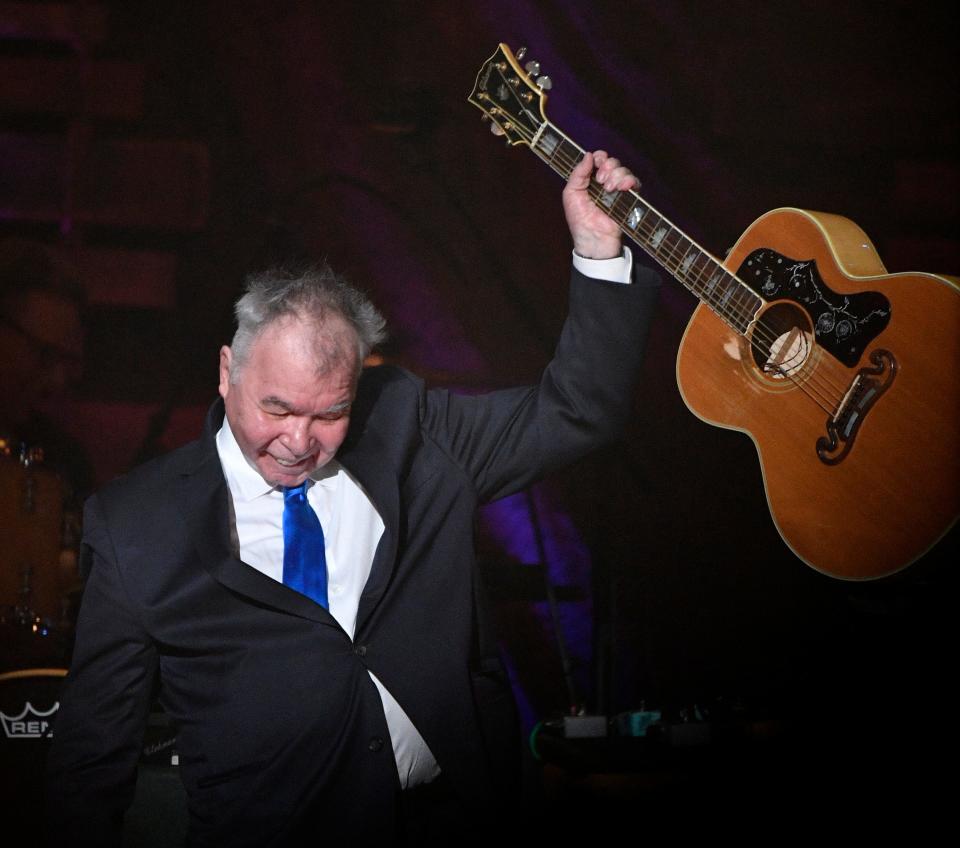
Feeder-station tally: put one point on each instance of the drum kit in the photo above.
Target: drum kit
(38, 585)
(38, 573)
(39, 598)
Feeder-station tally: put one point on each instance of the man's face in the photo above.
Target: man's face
(287, 418)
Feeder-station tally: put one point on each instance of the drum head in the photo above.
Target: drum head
(29, 700)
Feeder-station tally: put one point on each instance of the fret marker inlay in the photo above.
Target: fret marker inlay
(548, 144)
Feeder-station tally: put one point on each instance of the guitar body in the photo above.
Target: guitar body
(878, 500)
(842, 374)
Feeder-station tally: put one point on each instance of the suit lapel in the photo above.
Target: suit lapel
(204, 504)
(364, 459)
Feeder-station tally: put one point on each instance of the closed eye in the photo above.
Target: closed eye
(277, 413)
(333, 415)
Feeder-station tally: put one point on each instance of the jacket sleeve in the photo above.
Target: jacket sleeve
(98, 731)
(506, 439)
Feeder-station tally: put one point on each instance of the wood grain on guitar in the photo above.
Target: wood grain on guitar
(840, 373)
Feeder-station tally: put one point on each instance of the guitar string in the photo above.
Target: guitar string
(827, 397)
(813, 387)
(819, 390)
(818, 386)
(733, 313)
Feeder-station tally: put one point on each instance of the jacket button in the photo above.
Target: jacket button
(376, 744)
(360, 650)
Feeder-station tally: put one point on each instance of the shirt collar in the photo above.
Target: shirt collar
(244, 480)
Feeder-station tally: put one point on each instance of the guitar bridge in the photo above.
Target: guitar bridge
(865, 390)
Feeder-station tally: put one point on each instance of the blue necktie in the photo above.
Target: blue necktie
(304, 558)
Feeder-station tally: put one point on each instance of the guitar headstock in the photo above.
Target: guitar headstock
(510, 96)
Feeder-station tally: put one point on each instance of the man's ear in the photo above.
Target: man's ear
(226, 358)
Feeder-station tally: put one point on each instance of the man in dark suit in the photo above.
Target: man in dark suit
(327, 710)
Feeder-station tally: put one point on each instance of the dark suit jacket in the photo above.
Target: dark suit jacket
(280, 726)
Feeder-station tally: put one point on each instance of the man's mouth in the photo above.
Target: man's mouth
(291, 463)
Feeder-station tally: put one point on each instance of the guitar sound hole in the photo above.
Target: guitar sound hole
(782, 341)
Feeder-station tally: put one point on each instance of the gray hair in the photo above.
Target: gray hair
(313, 294)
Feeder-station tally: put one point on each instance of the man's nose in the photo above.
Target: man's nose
(297, 436)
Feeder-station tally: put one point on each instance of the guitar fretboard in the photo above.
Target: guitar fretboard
(684, 259)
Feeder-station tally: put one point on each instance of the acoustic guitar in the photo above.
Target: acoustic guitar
(841, 373)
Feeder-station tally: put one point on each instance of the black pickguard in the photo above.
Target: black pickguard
(844, 324)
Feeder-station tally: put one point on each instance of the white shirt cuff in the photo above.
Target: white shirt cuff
(616, 270)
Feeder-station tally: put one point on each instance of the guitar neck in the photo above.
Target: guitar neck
(696, 269)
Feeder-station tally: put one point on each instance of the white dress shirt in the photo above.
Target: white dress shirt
(616, 270)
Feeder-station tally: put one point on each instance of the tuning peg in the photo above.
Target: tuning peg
(545, 82)
(532, 67)
(521, 52)
(496, 130)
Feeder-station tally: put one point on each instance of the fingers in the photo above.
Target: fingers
(611, 174)
(579, 177)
